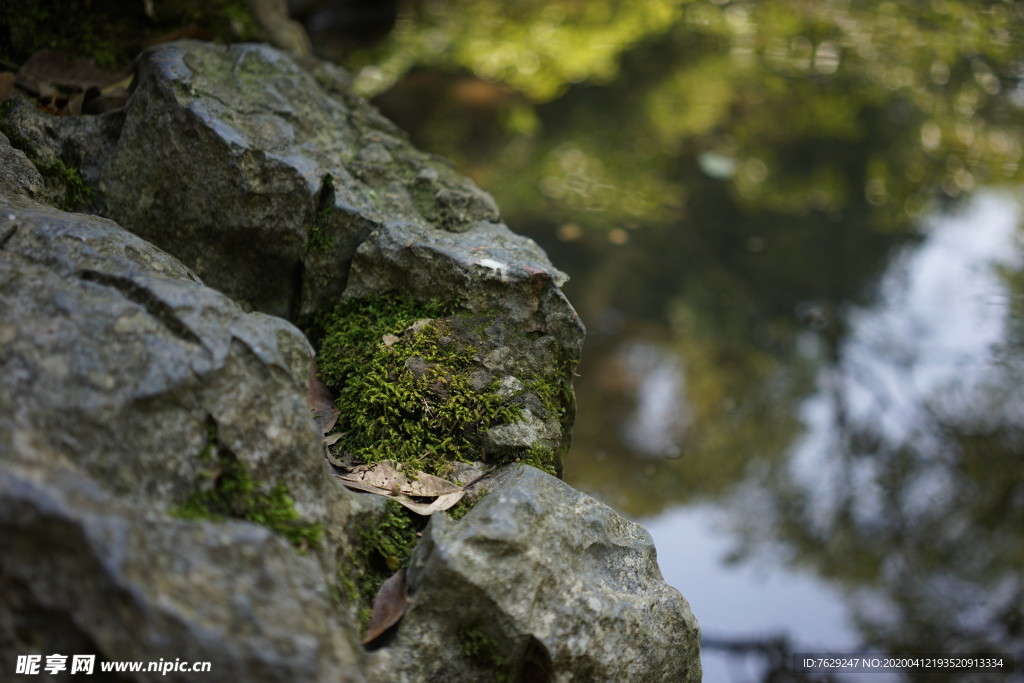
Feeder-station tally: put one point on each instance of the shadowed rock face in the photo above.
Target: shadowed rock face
(118, 369)
(128, 388)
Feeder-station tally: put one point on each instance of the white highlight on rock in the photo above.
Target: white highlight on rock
(497, 266)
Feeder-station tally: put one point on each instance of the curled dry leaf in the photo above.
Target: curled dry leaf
(389, 606)
(62, 84)
(321, 402)
(426, 509)
(48, 70)
(385, 479)
(429, 485)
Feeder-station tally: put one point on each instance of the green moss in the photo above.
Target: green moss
(382, 549)
(482, 651)
(233, 494)
(319, 241)
(541, 457)
(73, 188)
(459, 510)
(66, 182)
(407, 397)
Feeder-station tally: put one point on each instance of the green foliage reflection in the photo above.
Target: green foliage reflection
(797, 106)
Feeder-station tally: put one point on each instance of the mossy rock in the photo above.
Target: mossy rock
(232, 493)
(413, 386)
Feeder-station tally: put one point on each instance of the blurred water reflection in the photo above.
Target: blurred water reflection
(870, 517)
(805, 306)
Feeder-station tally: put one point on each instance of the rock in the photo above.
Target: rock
(163, 492)
(260, 175)
(539, 582)
(284, 191)
(121, 375)
(18, 177)
(82, 573)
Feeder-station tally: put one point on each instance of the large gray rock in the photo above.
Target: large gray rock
(539, 582)
(118, 371)
(286, 192)
(264, 177)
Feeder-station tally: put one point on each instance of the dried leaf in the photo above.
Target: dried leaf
(361, 481)
(75, 103)
(368, 488)
(321, 402)
(332, 439)
(427, 485)
(49, 71)
(449, 500)
(386, 475)
(388, 606)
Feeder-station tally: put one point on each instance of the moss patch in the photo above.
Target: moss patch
(460, 509)
(482, 651)
(406, 386)
(233, 494)
(65, 182)
(382, 549)
(541, 457)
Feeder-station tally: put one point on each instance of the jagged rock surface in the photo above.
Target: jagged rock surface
(115, 364)
(286, 192)
(540, 582)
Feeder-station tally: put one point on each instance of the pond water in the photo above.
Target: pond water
(794, 234)
(937, 327)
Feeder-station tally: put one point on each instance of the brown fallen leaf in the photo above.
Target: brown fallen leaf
(389, 606)
(386, 479)
(321, 402)
(48, 71)
(386, 475)
(332, 439)
(427, 485)
(440, 503)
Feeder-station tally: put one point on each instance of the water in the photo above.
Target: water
(942, 311)
(794, 235)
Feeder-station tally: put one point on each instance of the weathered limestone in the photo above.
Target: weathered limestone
(279, 188)
(118, 369)
(129, 390)
(540, 580)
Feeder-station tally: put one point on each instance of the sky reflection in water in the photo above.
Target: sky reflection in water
(930, 343)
